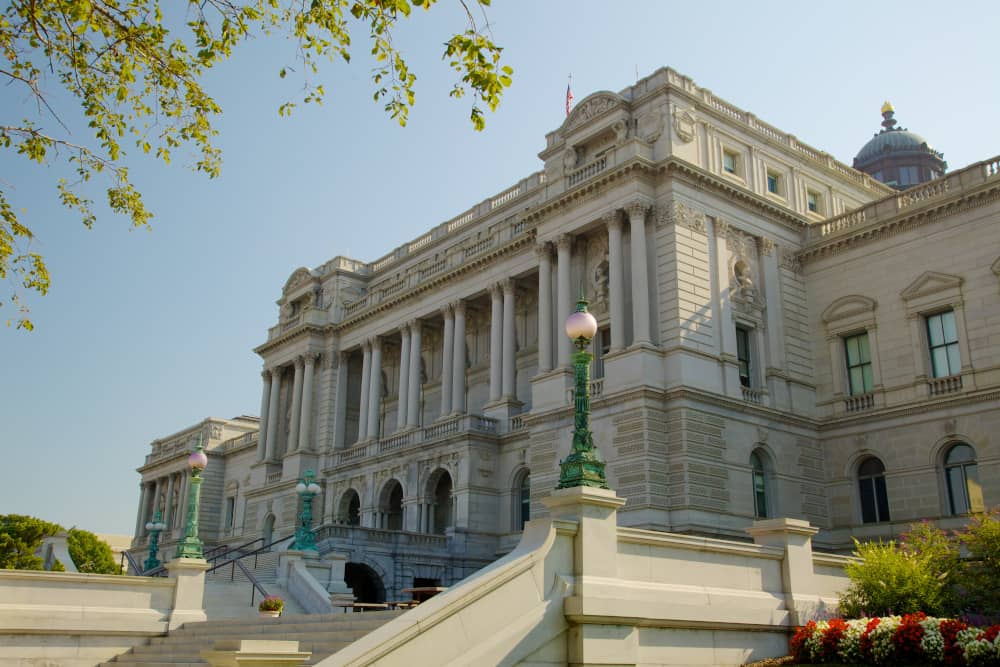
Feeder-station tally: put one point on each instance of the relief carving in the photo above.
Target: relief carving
(591, 108)
(685, 124)
(688, 217)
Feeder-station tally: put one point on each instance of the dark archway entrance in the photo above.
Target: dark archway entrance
(365, 583)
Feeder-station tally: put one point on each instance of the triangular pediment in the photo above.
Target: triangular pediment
(848, 306)
(298, 278)
(593, 106)
(931, 282)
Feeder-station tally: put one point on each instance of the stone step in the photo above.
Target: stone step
(340, 619)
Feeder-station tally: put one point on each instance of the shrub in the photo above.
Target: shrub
(912, 576)
(980, 577)
(20, 536)
(90, 553)
(271, 603)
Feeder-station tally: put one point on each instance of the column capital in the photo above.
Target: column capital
(312, 358)
(376, 343)
(266, 373)
(458, 307)
(496, 289)
(404, 330)
(508, 285)
(564, 242)
(277, 371)
(446, 311)
(543, 251)
(612, 220)
(721, 227)
(636, 210)
(766, 245)
(414, 324)
(299, 362)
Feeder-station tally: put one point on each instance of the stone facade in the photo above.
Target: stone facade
(729, 266)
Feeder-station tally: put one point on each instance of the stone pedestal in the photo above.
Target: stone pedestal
(257, 652)
(550, 391)
(794, 536)
(639, 365)
(189, 591)
(502, 410)
(317, 582)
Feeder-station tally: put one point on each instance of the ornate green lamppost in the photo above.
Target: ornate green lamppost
(191, 546)
(307, 488)
(583, 466)
(154, 527)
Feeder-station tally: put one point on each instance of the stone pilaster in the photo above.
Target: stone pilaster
(458, 365)
(564, 296)
(640, 274)
(447, 359)
(295, 417)
(403, 393)
(544, 253)
(305, 422)
(413, 402)
(375, 390)
(496, 342)
(616, 278)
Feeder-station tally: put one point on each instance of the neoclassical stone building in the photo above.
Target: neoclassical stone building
(780, 335)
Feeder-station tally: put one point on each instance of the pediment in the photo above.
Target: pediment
(593, 106)
(849, 306)
(299, 277)
(931, 282)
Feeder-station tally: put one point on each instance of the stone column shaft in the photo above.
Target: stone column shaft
(496, 349)
(564, 294)
(366, 371)
(447, 360)
(458, 365)
(509, 342)
(265, 405)
(182, 503)
(403, 393)
(340, 401)
(167, 507)
(140, 523)
(413, 402)
(544, 307)
(616, 278)
(272, 414)
(375, 392)
(305, 423)
(295, 417)
(640, 275)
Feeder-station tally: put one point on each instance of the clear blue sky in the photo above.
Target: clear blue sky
(144, 333)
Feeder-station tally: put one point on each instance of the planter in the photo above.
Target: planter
(269, 614)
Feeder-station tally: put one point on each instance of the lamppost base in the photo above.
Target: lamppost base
(190, 547)
(582, 469)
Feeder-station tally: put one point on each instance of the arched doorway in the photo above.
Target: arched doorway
(442, 503)
(391, 506)
(268, 531)
(350, 508)
(364, 582)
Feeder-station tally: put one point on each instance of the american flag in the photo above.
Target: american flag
(569, 98)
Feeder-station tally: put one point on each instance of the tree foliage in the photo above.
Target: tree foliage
(90, 553)
(20, 537)
(139, 88)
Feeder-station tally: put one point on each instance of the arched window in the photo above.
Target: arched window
(759, 480)
(962, 478)
(391, 506)
(350, 508)
(522, 499)
(871, 485)
(442, 504)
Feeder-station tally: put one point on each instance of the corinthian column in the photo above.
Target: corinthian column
(366, 372)
(544, 253)
(413, 401)
(265, 406)
(340, 400)
(272, 413)
(616, 266)
(402, 395)
(458, 366)
(496, 328)
(294, 419)
(447, 360)
(305, 423)
(375, 389)
(509, 342)
(564, 296)
(640, 275)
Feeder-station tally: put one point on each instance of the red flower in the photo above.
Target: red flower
(953, 653)
(907, 638)
(990, 633)
(865, 641)
(831, 639)
(797, 644)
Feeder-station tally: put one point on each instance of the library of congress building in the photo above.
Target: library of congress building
(780, 334)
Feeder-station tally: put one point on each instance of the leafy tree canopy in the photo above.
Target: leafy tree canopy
(90, 554)
(20, 537)
(139, 88)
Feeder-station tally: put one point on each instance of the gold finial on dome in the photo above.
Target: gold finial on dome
(887, 107)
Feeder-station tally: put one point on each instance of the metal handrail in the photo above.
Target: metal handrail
(126, 556)
(255, 584)
(225, 548)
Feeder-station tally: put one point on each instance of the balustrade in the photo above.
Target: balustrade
(587, 171)
(945, 385)
(401, 441)
(859, 403)
(751, 395)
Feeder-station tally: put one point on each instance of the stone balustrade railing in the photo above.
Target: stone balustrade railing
(882, 209)
(240, 441)
(945, 385)
(401, 441)
(587, 171)
(751, 395)
(859, 403)
(363, 535)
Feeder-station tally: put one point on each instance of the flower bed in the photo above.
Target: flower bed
(911, 639)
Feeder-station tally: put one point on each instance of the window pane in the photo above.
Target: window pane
(948, 327)
(857, 381)
(867, 489)
(954, 364)
(863, 354)
(852, 350)
(956, 491)
(960, 454)
(869, 383)
(881, 499)
(872, 467)
(935, 335)
(939, 362)
(974, 488)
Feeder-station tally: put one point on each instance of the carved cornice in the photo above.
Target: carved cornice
(903, 221)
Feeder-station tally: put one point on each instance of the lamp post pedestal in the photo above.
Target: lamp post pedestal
(189, 591)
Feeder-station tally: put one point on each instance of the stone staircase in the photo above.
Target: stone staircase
(321, 634)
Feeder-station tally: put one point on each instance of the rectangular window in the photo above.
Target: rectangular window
(729, 161)
(908, 176)
(942, 339)
(773, 183)
(813, 201)
(743, 355)
(859, 364)
(230, 511)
